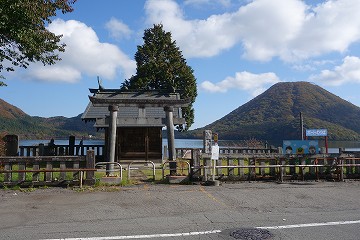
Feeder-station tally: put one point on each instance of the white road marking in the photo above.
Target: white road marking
(143, 236)
(311, 225)
(209, 232)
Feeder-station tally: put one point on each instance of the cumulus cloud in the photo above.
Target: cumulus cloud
(84, 54)
(292, 32)
(254, 83)
(331, 26)
(118, 29)
(348, 71)
(196, 38)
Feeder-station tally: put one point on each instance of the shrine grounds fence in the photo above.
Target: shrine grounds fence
(233, 165)
(47, 170)
(264, 164)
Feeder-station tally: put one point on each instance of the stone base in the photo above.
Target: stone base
(110, 180)
(215, 183)
(177, 179)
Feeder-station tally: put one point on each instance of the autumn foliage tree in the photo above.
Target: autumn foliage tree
(23, 34)
(161, 66)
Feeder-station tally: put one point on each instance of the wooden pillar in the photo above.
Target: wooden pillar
(112, 132)
(230, 162)
(62, 174)
(241, 174)
(170, 138)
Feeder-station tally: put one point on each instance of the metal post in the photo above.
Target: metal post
(112, 127)
(326, 145)
(171, 139)
(301, 126)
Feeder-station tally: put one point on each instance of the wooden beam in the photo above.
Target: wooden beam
(133, 102)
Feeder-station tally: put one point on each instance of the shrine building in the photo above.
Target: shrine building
(133, 122)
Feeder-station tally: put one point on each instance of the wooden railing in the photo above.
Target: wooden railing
(230, 150)
(268, 164)
(47, 170)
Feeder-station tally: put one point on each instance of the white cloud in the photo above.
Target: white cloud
(331, 26)
(56, 73)
(348, 71)
(118, 29)
(253, 83)
(196, 38)
(84, 54)
(311, 65)
(224, 3)
(288, 29)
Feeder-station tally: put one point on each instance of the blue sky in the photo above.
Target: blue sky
(237, 48)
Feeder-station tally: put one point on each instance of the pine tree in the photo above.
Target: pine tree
(161, 66)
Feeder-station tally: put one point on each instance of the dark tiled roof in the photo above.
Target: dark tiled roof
(96, 113)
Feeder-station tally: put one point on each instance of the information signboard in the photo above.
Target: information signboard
(300, 146)
(316, 132)
(215, 152)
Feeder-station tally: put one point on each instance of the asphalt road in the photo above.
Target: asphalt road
(310, 210)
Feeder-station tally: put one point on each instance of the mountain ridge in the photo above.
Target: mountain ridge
(274, 115)
(15, 121)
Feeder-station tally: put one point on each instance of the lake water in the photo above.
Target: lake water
(179, 143)
(198, 143)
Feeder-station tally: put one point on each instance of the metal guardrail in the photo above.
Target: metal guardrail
(110, 170)
(140, 161)
(163, 168)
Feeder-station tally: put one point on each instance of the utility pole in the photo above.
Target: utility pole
(301, 126)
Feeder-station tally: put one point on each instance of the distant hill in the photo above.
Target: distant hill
(14, 121)
(274, 115)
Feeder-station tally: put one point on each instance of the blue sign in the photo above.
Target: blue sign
(316, 132)
(300, 146)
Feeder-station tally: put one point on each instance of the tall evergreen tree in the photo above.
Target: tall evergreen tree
(161, 66)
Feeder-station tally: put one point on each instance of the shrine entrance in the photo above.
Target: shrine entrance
(139, 143)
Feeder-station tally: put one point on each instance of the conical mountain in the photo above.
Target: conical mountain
(274, 115)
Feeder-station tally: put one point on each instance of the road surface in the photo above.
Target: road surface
(298, 210)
